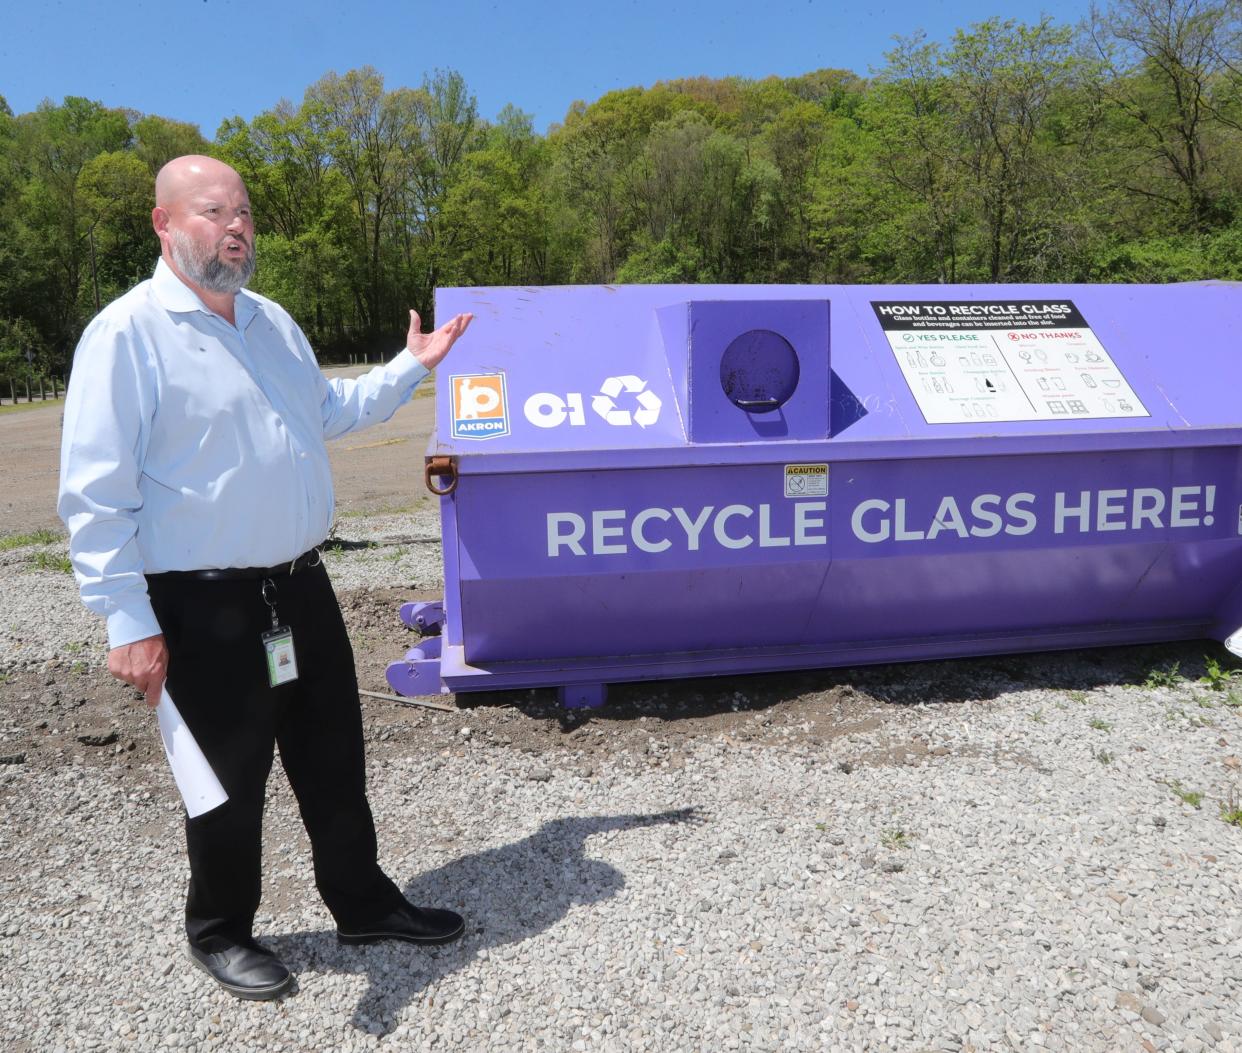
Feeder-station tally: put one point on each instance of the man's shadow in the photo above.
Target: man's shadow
(507, 895)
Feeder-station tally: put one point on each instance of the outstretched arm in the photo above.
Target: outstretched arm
(347, 405)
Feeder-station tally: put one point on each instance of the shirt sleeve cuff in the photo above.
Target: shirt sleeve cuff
(408, 368)
(128, 626)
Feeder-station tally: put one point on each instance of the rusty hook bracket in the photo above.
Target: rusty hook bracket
(441, 466)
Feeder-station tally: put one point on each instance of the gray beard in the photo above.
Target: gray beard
(205, 268)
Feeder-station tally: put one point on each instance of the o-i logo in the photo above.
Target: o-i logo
(480, 406)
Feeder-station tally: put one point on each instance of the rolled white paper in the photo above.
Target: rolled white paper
(200, 789)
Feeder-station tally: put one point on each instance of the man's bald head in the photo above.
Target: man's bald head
(202, 218)
(183, 175)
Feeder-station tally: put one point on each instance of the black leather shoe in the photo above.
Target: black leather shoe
(245, 971)
(409, 923)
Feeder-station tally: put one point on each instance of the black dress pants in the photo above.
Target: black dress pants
(217, 676)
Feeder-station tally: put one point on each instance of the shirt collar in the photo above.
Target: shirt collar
(174, 295)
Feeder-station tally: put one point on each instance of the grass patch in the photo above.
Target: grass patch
(1231, 810)
(375, 445)
(35, 537)
(332, 543)
(1216, 676)
(383, 510)
(895, 839)
(1104, 757)
(340, 544)
(1096, 724)
(1164, 676)
(26, 407)
(1191, 797)
(52, 561)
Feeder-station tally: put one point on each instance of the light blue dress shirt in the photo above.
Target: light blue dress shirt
(190, 443)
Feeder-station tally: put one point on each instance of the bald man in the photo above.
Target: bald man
(196, 489)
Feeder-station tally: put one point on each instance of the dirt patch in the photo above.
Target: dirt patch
(375, 470)
(54, 715)
(73, 714)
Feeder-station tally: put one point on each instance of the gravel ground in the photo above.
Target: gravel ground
(1007, 853)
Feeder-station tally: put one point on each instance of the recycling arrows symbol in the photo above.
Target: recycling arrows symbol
(648, 411)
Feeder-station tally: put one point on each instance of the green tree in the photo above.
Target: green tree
(54, 145)
(446, 125)
(919, 199)
(371, 138)
(157, 140)
(22, 350)
(115, 191)
(970, 137)
(499, 213)
(1175, 73)
(303, 215)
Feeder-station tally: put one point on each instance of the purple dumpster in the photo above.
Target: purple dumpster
(660, 481)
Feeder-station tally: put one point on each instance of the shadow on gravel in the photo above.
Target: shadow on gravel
(507, 894)
(939, 682)
(340, 544)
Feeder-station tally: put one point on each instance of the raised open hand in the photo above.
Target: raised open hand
(430, 348)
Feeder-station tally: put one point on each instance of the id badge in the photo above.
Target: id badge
(282, 663)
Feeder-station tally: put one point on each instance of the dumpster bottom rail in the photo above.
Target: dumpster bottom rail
(435, 667)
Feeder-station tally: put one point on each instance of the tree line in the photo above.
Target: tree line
(1106, 152)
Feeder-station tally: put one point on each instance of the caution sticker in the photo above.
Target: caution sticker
(806, 480)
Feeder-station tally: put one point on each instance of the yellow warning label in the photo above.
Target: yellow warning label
(806, 480)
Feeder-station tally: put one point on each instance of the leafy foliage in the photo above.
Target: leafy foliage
(1012, 152)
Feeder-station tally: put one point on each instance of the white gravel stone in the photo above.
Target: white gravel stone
(1044, 898)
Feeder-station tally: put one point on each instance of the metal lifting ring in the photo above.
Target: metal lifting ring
(441, 466)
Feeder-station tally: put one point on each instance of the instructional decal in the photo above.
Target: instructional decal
(806, 480)
(1003, 360)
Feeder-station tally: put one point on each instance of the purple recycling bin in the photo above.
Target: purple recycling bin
(660, 481)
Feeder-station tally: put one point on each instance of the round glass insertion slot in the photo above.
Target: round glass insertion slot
(759, 371)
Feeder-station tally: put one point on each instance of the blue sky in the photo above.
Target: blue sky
(205, 60)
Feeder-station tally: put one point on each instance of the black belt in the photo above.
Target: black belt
(303, 562)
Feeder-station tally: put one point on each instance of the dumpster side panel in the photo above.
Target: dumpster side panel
(639, 613)
(564, 564)
(569, 565)
(1066, 590)
(1018, 544)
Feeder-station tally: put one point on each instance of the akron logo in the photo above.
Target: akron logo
(621, 402)
(480, 406)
